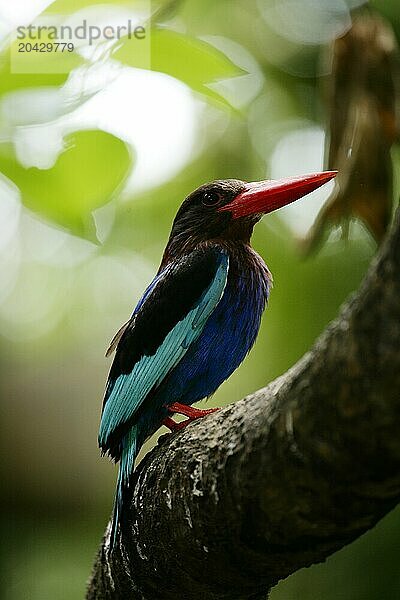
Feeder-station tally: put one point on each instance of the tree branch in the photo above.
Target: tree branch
(280, 479)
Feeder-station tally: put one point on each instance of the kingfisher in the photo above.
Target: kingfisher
(195, 322)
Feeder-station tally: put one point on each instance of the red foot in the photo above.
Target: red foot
(187, 411)
(173, 425)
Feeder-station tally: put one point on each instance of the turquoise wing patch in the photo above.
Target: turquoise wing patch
(130, 390)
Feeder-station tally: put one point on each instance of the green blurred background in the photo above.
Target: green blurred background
(95, 162)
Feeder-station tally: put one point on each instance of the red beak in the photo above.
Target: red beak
(266, 196)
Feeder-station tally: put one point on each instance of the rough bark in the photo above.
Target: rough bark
(282, 478)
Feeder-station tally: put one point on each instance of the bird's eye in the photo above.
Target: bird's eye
(211, 198)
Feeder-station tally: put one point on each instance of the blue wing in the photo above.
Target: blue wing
(142, 364)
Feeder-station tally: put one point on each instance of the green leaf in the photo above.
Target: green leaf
(85, 177)
(190, 60)
(71, 6)
(10, 81)
(39, 62)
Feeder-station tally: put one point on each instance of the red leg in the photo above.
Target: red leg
(173, 425)
(189, 411)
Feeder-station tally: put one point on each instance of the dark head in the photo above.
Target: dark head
(227, 210)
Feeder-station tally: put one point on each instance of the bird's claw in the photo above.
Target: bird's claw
(188, 411)
(173, 425)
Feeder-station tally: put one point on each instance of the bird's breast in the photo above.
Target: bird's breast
(243, 303)
(228, 335)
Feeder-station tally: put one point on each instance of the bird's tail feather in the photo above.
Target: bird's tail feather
(130, 448)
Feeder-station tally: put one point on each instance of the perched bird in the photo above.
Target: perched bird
(197, 319)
